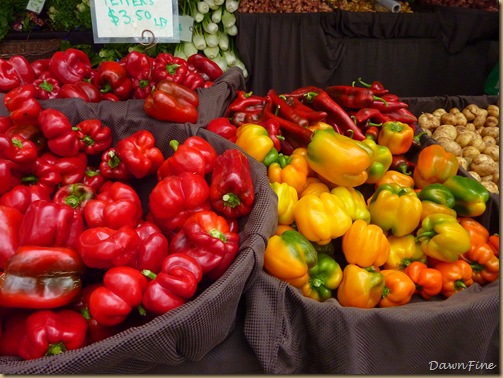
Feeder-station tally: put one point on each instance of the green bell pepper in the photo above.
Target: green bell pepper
(382, 159)
(324, 277)
(470, 195)
(437, 193)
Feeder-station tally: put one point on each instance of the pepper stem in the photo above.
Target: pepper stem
(426, 234)
(55, 349)
(217, 234)
(174, 144)
(149, 274)
(231, 200)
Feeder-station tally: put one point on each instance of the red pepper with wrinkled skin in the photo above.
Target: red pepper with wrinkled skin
(50, 224)
(193, 80)
(75, 195)
(167, 66)
(139, 67)
(112, 167)
(122, 290)
(104, 247)
(205, 66)
(206, 237)
(231, 185)
(38, 277)
(223, 127)
(43, 173)
(285, 110)
(62, 140)
(70, 66)
(94, 137)
(140, 154)
(173, 285)
(23, 105)
(20, 196)
(84, 90)
(51, 332)
(22, 152)
(71, 169)
(9, 176)
(194, 155)
(40, 66)
(48, 88)
(245, 101)
(153, 248)
(19, 95)
(94, 178)
(174, 198)
(311, 115)
(352, 97)
(116, 205)
(10, 220)
(112, 77)
(17, 69)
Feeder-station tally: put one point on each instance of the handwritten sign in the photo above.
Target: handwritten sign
(124, 21)
(35, 6)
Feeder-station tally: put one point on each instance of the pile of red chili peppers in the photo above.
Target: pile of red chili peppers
(80, 258)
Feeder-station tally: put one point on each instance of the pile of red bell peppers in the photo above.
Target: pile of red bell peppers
(80, 258)
(69, 74)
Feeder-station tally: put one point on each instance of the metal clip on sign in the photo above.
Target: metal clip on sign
(148, 41)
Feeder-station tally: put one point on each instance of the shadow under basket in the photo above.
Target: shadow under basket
(31, 49)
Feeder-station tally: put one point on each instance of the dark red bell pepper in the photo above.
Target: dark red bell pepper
(20, 197)
(51, 332)
(112, 167)
(94, 178)
(94, 137)
(38, 277)
(173, 285)
(50, 224)
(223, 127)
(140, 154)
(139, 67)
(174, 198)
(62, 140)
(115, 206)
(194, 155)
(13, 329)
(71, 169)
(22, 152)
(104, 247)
(122, 290)
(167, 66)
(112, 77)
(173, 102)
(153, 248)
(193, 80)
(48, 88)
(10, 220)
(70, 66)
(205, 66)
(402, 164)
(75, 195)
(206, 237)
(231, 186)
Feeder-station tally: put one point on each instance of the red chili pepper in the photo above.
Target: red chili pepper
(274, 130)
(403, 115)
(231, 185)
(167, 66)
(206, 237)
(75, 195)
(10, 220)
(244, 102)
(116, 205)
(363, 115)
(285, 110)
(20, 197)
(112, 167)
(376, 87)
(39, 277)
(173, 285)
(139, 153)
(389, 106)
(94, 178)
(194, 155)
(50, 224)
(223, 127)
(352, 97)
(48, 88)
(122, 290)
(70, 66)
(94, 137)
(62, 140)
(152, 250)
(312, 116)
(20, 151)
(206, 66)
(71, 169)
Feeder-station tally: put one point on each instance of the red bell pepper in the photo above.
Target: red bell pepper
(23, 67)
(94, 178)
(152, 250)
(14, 326)
(22, 152)
(23, 105)
(16, 97)
(70, 66)
(40, 66)
(231, 185)
(206, 237)
(84, 90)
(51, 224)
(94, 137)
(75, 195)
(116, 205)
(9, 176)
(71, 169)
(223, 127)
(112, 166)
(31, 132)
(167, 66)
(173, 102)
(174, 198)
(41, 278)
(14, 72)
(5, 123)
(51, 332)
(43, 173)
(122, 289)
(139, 67)
(193, 80)
(140, 154)
(112, 77)
(104, 247)
(48, 88)
(210, 70)
(62, 140)
(173, 285)
(10, 220)
(194, 155)
(20, 197)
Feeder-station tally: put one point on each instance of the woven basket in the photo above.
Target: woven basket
(31, 49)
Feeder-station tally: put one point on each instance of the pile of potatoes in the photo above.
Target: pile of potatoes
(472, 134)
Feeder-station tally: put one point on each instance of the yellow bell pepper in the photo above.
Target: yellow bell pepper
(404, 250)
(282, 228)
(287, 199)
(365, 244)
(391, 176)
(353, 201)
(314, 186)
(360, 287)
(291, 169)
(430, 207)
(338, 158)
(395, 209)
(321, 218)
(255, 140)
(289, 257)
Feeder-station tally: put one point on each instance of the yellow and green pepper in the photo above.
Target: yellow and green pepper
(404, 250)
(353, 202)
(255, 140)
(324, 277)
(287, 199)
(291, 169)
(360, 287)
(381, 161)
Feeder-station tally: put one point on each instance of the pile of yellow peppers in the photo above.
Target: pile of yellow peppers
(413, 236)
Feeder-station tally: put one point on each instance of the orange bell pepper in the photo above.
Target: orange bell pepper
(494, 242)
(398, 288)
(395, 177)
(456, 276)
(478, 233)
(434, 165)
(360, 287)
(397, 136)
(430, 207)
(403, 251)
(314, 186)
(365, 244)
(291, 169)
(282, 228)
(428, 280)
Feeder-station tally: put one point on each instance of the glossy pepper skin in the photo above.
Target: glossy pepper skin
(434, 165)
(398, 290)
(152, 250)
(83, 90)
(324, 277)
(62, 140)
(23, 105)
(112, 77)
(21, 151)
(71, 168)
(10, 220)
(353, 201)
(314, 186)
(397, 136)
(395, 209)
(289, 257)
(360, 287)
(223, 127)
(255, 140)
(328, 153)
(469, 194)
(287, 200)
(41, 277)
(437, 193)
(365, 244)
(206, 237)
(456, 276)
(112, 167)
(232, 192)
(94, 137)
(70, 66)
(443, 238)
(74, 195)
(381, 161)
(205, 66)
(428, 281)
(122, 290)
(392, 176)
(167, 66)
(321, 218)
(403, 251)
(291, 169)
(173, 285)
(430, 207)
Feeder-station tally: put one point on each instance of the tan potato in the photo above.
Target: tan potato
(479, 121)
(428, 121)
(484, 165)
(464, 139)
(478, 143)
(491, 121)
(493, 151)
(462, 129)
(450, 146)
(449, 131)
(438, 112)
(454, 110)
(470, 112)
(462, 162)
(489, 140)
(496, 178)
(490, 186)
(460, 119)
(493, 110)
(470, 126)
(491, 131)
(475, 175)
(448, 119)
(487, 178)
(470, 152)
